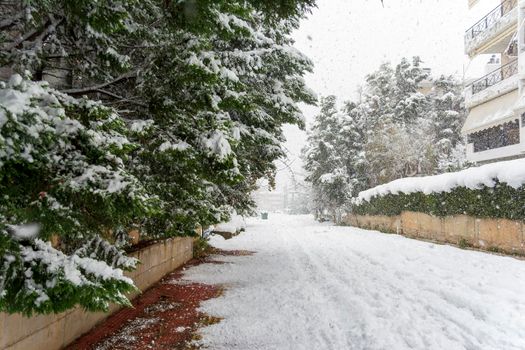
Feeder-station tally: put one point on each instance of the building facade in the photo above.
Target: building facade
(495, 126)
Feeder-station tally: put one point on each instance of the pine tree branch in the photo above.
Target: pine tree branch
(22, 39)
(48, 30)
(39, 34)
(94, 88)
(109, 93)
(9, 22)
(121, 98)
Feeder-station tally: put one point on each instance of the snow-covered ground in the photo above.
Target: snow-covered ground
(317, 286)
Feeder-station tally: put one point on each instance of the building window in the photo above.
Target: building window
(502, 135)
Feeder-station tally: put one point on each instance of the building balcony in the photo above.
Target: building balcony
(495, 129)
(503, 140)
(493, 32)
(496, 154)
(497, 83)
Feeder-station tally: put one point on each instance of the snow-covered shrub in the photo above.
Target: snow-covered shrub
(494, 190)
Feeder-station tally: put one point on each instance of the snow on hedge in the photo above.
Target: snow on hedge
(510, 172)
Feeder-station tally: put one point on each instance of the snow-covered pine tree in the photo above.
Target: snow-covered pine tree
(390, 102)
(62, 174)
(401, 132)
(208, 79)
(378, 95)
(408, 102)
(325, 166)
(241, 84)
(202, 90)
(352, 141)
(448, 115)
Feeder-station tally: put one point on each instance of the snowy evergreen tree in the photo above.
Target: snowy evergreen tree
(405, 124)
(193, 98)
(409, 103)
(352, 137)
(326, 169)
(240, 87)
(378, 96)
(414, 133)
(62, 174)
(396, 114)
(448, 115)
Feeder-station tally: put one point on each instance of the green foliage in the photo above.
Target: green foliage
(284, 8)
(61, 173)
(201, 248)
(56, 150)
(36, 278)
(463, 243)
(500, 201)
(495, 250)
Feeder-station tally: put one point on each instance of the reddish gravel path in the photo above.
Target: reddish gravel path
(164, 317)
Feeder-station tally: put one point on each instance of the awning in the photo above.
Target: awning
(519, 106)
(491, 113)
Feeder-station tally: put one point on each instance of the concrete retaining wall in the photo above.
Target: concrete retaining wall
(53, 332)
(501, 234)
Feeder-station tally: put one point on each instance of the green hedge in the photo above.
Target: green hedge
(500, 201)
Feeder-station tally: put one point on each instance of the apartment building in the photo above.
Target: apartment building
(495, 126)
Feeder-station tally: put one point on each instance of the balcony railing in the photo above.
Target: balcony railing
(500, 74)
(490, 20)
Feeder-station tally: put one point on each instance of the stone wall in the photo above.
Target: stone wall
(52, 332)
(490, 234)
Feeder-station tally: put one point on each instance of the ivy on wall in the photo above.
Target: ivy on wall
(499, 201)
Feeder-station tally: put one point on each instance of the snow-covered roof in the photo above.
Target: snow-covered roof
(510, 172)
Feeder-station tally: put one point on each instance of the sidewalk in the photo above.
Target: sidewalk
(163, 317)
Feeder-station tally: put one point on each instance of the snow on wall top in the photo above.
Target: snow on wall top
(510, 172)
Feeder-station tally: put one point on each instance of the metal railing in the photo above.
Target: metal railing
(494, 77)
(489, 20)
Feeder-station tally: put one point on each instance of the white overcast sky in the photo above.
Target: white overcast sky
(347, 39)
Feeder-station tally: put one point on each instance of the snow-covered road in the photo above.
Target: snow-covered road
(317, 286)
